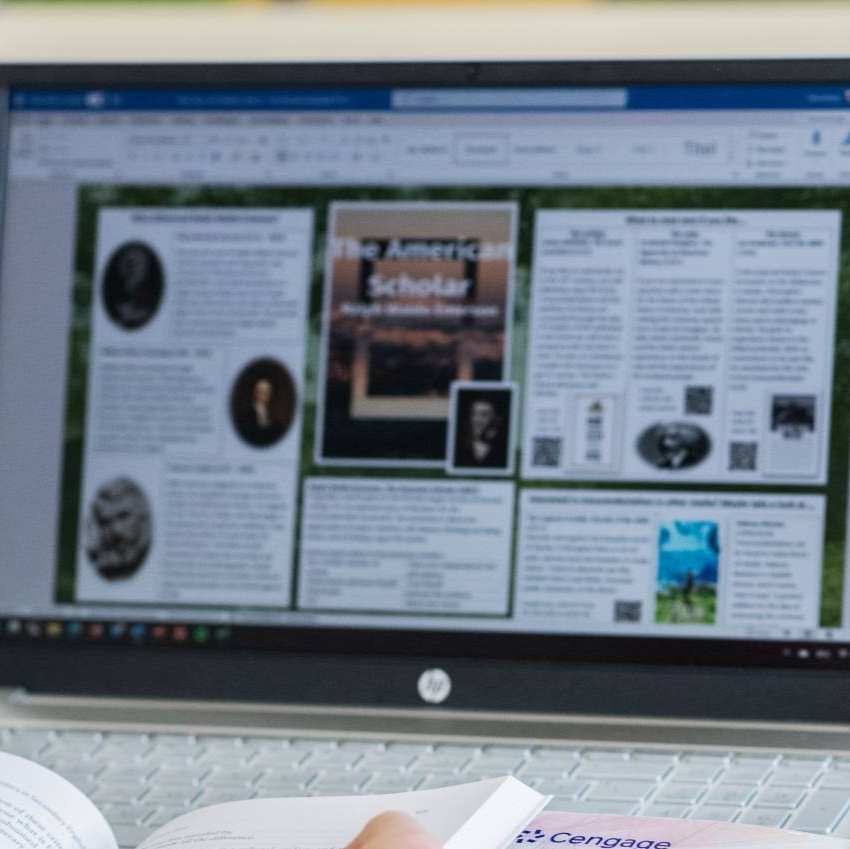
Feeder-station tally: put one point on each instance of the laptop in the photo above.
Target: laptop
(369, 427)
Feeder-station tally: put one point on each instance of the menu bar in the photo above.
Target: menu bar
(801, 148)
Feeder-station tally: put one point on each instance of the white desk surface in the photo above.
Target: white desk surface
(297, 31)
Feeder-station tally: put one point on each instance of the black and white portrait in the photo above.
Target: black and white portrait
(119, 529)
(133, 285)
(480, 435)
(673, 445)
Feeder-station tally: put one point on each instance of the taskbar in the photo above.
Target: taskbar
(113, 631)
(832, 653)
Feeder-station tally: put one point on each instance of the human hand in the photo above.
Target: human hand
(393, 830)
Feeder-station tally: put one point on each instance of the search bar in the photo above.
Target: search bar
(510, 98)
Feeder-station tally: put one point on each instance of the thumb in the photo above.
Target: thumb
(394, 830)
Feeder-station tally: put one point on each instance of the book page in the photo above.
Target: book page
(554, 829)
(40, 810)
(471, 816)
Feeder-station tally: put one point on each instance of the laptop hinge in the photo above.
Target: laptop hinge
(19, 707)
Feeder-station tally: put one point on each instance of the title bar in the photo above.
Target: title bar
(502, 99)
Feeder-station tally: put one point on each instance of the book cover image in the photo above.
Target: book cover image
(417, 297)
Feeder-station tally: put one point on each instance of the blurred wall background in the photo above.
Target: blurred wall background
(194, 29)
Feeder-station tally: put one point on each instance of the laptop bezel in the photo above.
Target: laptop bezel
(333, 666)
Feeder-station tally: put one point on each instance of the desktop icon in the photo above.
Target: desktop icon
(180, 633)
(117, 630)
(33, 630)
(95, 631)
(201, 634)
(138, 632)
(14, 627)
(74, 630)
(54, 630)
(159, 632)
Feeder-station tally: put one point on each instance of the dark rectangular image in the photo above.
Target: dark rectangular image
(417, 296)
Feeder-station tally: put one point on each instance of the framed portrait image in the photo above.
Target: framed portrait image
(482, 428)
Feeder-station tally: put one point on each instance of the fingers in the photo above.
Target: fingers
(393, 830)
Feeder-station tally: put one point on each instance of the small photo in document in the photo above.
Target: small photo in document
(133, 285)
(481, 428)
(262, 402)
(119, 529)
(793, 441)
(688, 566)
(670, 446)
(792, 416)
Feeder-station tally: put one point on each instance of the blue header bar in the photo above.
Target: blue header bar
(740, 97)
(503, 99)
(178, 100)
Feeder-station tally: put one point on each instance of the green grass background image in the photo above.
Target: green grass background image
(92, 198)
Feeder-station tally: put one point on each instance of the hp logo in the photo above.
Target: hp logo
(434, 686)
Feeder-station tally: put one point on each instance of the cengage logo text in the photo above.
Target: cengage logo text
(537, 835)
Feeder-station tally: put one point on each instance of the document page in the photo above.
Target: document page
(193, 424)
(483, 815)
(418, 296)
(406, 545)
(682, 345)
(695, 562)
(613, 832)
(40, 810)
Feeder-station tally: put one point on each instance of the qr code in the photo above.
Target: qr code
(628, 611)
(546, 451)
(699, 400)
(743, 456)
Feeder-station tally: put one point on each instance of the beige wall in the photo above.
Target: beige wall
(298, 31)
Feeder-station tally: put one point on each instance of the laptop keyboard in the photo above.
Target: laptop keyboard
(142, 781)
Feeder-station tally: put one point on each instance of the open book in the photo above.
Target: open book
(40, 810)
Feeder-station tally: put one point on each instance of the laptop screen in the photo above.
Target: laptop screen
(535, 366)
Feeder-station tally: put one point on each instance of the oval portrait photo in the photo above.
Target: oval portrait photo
(262, 402)
(133, 285)
(119, 529)
(673, 445)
